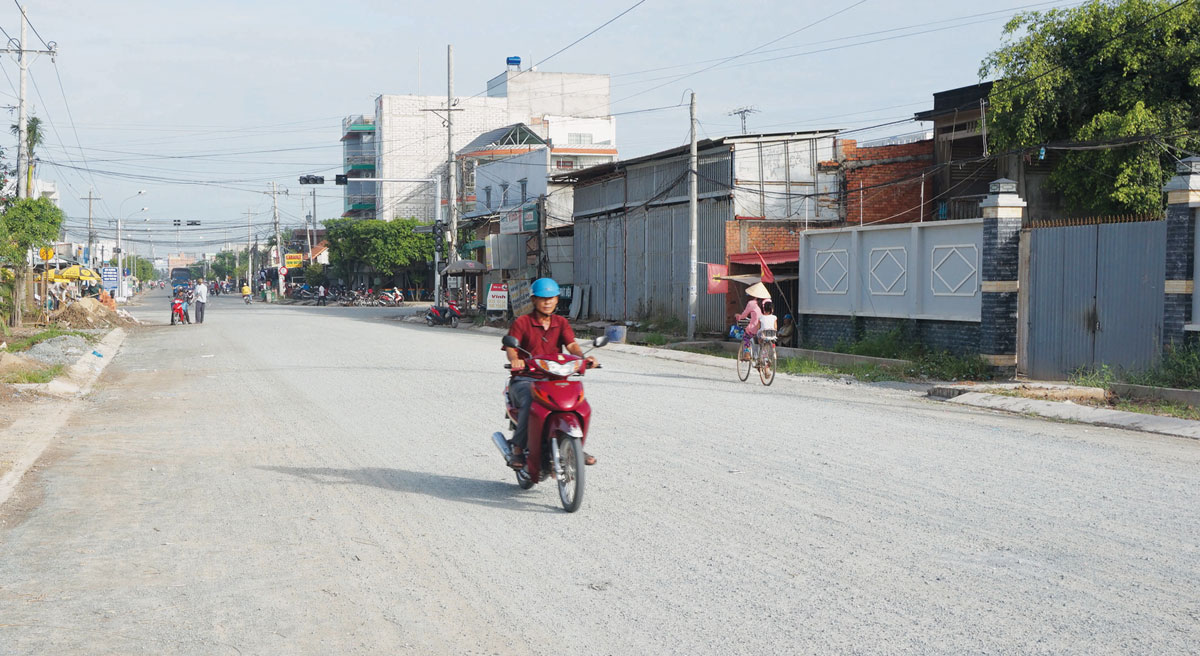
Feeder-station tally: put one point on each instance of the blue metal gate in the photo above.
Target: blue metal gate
(1093, 297)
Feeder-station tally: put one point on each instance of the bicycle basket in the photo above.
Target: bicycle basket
(743, 322)
(736, 332)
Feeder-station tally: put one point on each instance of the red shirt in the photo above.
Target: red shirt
(539, 341)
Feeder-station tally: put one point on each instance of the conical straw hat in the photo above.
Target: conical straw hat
(757, 290)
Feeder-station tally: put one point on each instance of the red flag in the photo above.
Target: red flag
(715, 284)
(767, 276)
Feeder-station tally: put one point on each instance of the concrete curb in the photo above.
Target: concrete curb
(1189, 397)
(80, 376)
(39, 430)
(823, 357)
(1084, 414)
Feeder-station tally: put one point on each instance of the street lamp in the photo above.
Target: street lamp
(121, 256)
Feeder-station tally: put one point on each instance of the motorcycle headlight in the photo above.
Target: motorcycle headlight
(559, 368)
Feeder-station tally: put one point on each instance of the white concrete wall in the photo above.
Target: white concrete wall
(537, 93)
(603, 131)
(532, 167)
(411, 143)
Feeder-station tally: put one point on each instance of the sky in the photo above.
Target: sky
(203, 104)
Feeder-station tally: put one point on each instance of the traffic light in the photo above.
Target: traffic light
(193, 223)
(339, 179)
(312, 179)
(175, 222)
(438, 231)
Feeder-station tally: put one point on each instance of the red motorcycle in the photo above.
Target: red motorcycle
(177, 314)
(448, 314)
(558, 424)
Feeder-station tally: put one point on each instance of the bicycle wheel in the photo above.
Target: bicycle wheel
(745, 361)
(768, 362)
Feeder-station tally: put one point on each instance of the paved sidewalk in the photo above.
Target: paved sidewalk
(1068, 411)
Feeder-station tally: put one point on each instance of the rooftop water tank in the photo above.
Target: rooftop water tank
(514, 61)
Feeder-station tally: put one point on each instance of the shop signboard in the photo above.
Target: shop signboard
(497, 298)
(108, 277)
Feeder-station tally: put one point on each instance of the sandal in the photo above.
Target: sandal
(588, 459)
(518, 459)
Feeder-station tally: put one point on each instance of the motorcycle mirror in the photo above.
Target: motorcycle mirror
(600, 341)
(510, 342)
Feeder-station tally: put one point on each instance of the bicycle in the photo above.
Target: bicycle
(760, 354)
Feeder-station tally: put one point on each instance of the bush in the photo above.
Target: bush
(1179, 367)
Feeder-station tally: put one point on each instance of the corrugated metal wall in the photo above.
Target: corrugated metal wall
(631, 252)
(635, 264)
(1095, 297)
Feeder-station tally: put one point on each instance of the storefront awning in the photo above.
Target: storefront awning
(749, 279)
(770, 257)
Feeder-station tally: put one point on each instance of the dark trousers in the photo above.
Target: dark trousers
(321, 300)
(520, 390)
(200, 311)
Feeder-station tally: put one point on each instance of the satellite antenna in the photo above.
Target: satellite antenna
(742, 112)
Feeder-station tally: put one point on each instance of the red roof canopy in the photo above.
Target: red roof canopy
(771, 257)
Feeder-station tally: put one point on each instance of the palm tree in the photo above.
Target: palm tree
(33, 138)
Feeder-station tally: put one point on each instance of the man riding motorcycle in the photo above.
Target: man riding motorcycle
(541, 333)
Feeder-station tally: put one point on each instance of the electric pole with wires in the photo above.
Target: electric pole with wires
(742, 112)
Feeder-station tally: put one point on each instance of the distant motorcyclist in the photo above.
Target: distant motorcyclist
(541, 333)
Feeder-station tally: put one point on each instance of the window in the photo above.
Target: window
(579, 139)
(564, 164)
(487, 195)
(503, 194)
(524, 190)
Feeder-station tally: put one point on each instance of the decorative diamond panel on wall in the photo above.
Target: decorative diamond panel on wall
(832, 272)
(954, 270)
(889, 271)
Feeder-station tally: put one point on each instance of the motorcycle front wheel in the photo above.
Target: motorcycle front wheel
(453, 321)
(570, 483)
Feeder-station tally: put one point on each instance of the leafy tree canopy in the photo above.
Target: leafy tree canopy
(1101, 72)
(27, 223)
(386, 246)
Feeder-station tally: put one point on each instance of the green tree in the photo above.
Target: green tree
(1105, 71)
(33, 138)
(385, 246)
(314, 274)
(26, 223)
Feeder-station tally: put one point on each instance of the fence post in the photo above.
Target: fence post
(1179, 303)
(1002, 211)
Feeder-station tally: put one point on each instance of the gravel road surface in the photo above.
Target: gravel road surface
(304, 480)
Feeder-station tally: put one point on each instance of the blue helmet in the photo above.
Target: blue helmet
(544, 288)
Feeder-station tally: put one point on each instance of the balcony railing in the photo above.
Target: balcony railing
(360, 159)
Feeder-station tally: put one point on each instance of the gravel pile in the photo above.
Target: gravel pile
(60, 350)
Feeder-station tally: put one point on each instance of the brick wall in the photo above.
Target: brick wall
(749, 235)
(824, 331)
(1177, 308)
(868, 167)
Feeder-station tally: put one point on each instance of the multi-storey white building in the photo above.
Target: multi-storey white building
(568, 112)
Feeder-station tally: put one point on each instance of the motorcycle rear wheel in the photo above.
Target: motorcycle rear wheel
(429, 321)
(570, 483)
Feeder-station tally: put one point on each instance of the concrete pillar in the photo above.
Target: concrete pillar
(1180, 306)
(1002, 211)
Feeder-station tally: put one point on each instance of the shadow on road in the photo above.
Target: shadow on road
(492, 494)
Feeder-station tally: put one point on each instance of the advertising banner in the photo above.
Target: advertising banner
(108, 277)
(497, 298)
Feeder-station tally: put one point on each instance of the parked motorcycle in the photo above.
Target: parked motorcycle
(448, 314)
(559, 418)
(177, 314)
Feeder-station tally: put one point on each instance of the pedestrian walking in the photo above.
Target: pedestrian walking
(321, 294)
(201, 299)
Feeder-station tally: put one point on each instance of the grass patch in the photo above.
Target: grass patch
(656, 339)
(805, 367)
(1163, 408)
(26, 343)
(36, 376)
(1179, 367)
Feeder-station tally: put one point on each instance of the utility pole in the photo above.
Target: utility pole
(249, 252)
(278, 243)
(742, 112)
(308, 232)
(542, 256)
(452, 214)
(91, 233)
(693, 228)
